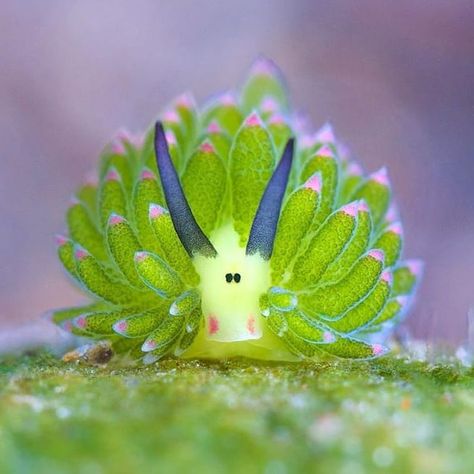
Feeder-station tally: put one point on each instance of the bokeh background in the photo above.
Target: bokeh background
(396, 79)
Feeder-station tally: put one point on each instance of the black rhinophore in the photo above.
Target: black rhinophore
(264, 226)
(191, 235)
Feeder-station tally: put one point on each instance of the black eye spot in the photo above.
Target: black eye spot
(236, 277)
(228, 277)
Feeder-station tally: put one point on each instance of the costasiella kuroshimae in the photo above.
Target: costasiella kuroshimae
(235, 231)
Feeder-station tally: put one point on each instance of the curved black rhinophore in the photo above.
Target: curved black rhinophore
(192, 237)
(265, 221)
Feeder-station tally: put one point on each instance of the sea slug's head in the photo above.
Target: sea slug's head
(186, 248)
(233, 277)
(231, 284)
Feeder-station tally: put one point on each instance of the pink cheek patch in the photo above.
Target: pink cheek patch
(213, 325)
(251, 324)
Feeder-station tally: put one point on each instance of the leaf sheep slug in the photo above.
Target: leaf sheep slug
(235, 230)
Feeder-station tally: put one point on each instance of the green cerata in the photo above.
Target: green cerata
(235, 229)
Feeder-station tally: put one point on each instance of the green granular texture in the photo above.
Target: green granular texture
(390, 415)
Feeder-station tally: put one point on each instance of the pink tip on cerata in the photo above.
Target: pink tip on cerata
(121, 136)
(378, 349)
(415, 267)
(171, 116)
(351, 208)
(253, 120)
(147, 174)
(269, 105)
(148, 345)
(251, 324)
(60, 240)
(381, 177)
(140, 256)
(325, 134)
(363, 207)
(328, 337)
(325, 151)
(91, 179)
(354, 169)
(112, 175)
(124, 136)
(214, 127)
(396, 228)
(185, 101)
(227, 99)
(121, 326)
(387, 276)
(212, 324)
(277, 119)
(117, 148)
(314, 183)
(207, 147)
(263, 66)
(170, 137)
(81, 253)
(80, 321)
(155, 211)
(115, 219)
(377, 254)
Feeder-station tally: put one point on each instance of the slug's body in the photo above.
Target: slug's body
(236, 232)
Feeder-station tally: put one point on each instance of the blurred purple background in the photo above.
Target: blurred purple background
(396, 79)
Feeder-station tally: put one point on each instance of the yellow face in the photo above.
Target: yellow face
(231, 285)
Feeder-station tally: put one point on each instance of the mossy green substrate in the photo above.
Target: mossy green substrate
(388, 415)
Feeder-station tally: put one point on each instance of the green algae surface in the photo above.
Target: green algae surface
(388, 415)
